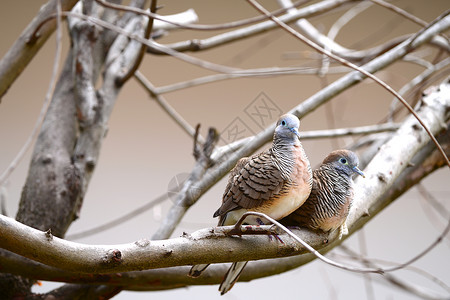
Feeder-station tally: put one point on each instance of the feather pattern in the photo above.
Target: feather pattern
(275, 182)
(330, 201)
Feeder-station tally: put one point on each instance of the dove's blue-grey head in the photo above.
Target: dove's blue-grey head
(344, 161)
(286, 131)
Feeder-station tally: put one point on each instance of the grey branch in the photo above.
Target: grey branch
(242, 33)
(148, 86)
(24, 49)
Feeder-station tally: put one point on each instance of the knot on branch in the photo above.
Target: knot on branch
(142, 243)
(49, 235)
(113, 256)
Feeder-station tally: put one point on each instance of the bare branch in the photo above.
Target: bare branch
(224, 151)
(239, 34)
(130, 72)
(174, 23)
(120, 220)
(189, 193)
(395, 280)
(364, 55)
(401, 12)
(165, 105)
(24, 49)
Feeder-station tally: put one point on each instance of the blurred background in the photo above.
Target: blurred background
(145, 150)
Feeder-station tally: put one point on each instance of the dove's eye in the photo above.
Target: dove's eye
(283, 123)
(343, 161)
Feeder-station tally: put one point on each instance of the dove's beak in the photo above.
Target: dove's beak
(356, 170)
(294, 130)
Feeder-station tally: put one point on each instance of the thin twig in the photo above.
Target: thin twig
(259, 72)
(414, 82)
(225, 150)
(336, 264)
(24, 49)
(146, 84)
(367, 279)
(337, 26)
(151, 44)
(242, 33)
(356, 68)
(401, 12)
(411, 288)
(229, 25)
(118, 221)
(12, 166)
(304, 244)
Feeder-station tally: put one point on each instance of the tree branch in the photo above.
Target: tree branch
(24, 49)
(148, 86)
(188, 193)
(183, 21)
(242, 33)
(148, 30)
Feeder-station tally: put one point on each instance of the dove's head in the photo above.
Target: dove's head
(287, 128)
(344, 161)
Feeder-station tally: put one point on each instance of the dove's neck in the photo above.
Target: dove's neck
(283, 154)
(338, 181)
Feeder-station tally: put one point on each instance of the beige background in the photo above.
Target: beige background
(144, 149)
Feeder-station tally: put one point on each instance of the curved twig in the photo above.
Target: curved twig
(237, 228)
